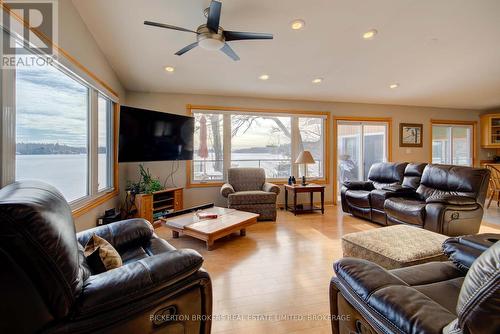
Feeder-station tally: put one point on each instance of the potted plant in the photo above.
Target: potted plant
(146, 184)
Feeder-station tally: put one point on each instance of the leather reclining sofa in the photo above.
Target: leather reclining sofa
(458, 296)
(441, 198)
(46, 285)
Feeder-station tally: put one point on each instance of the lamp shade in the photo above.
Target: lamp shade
(305, 157)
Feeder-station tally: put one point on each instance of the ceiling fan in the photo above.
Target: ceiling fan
(211, 36)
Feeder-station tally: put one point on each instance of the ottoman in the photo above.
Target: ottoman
(395, 246)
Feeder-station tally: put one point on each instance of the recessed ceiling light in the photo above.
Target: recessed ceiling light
(370, 34)
(394, 86)
(264, 77)
(298, 24)
(169, 69)
(317, 80)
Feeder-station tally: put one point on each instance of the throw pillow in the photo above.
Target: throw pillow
(101, 256)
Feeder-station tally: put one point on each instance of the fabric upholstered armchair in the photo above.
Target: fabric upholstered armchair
(46, 284)
(247, 190)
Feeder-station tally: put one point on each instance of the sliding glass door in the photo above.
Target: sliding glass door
(359, 145)
(452, 144)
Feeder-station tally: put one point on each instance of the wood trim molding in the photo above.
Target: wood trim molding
(326, 135)
(336, 120)
(456, 122)
(94, 203)
(191, 107)
(59, 49)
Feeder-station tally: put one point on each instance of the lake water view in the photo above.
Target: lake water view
(66, 172)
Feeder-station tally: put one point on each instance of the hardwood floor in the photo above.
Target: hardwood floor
(278, 269)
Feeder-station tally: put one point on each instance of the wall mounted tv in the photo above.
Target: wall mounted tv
(147, 135)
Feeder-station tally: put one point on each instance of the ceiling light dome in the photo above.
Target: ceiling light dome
(211, 43)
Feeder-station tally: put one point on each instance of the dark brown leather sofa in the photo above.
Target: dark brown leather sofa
(458, 296)
(440, 198)
(449, 200)
(356, 195)
(46, 286)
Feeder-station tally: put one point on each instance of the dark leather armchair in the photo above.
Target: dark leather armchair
(435, 297)
(365, 199)
(449, 200)
(46, 285)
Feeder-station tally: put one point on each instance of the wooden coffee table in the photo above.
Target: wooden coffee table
(209, 230)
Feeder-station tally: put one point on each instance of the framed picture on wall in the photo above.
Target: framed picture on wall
(410, 135)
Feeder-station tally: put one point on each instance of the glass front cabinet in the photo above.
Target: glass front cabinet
(490, 131)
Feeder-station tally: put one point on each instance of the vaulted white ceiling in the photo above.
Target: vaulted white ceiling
(443, 53)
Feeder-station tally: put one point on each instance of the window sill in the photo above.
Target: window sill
(93, 203)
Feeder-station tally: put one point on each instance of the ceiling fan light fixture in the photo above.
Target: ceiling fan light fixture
(264, 77)
(317, 80)
(211, 44)
(394, 85)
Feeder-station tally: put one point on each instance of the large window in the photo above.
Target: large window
(208, 160)
(452, 144)
(272, 141)
(262, 141)
(51, 130)
(61, 131)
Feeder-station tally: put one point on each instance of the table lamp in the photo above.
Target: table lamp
(305, 158)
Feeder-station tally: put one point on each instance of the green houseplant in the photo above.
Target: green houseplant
(146, 184)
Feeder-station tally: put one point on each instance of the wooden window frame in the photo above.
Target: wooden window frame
(336, 121)
(190, 109)
(456, 122)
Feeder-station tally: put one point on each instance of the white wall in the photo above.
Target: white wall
(176, 103)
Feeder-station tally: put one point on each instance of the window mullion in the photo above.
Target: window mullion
(8, 126)
(93, 142)
(226, 146)
(295, 145)
(111, 144)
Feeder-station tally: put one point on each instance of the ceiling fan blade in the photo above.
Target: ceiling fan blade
(230, 52)
(186, 49)
(214, 16)
(167, 26)
(241, 35)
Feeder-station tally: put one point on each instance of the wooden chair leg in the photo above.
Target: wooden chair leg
(491, 198)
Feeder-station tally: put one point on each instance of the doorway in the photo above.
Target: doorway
(360, 144)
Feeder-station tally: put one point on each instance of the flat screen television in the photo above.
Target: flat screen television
(147, 135)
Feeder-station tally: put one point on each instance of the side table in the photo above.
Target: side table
(309, 188)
